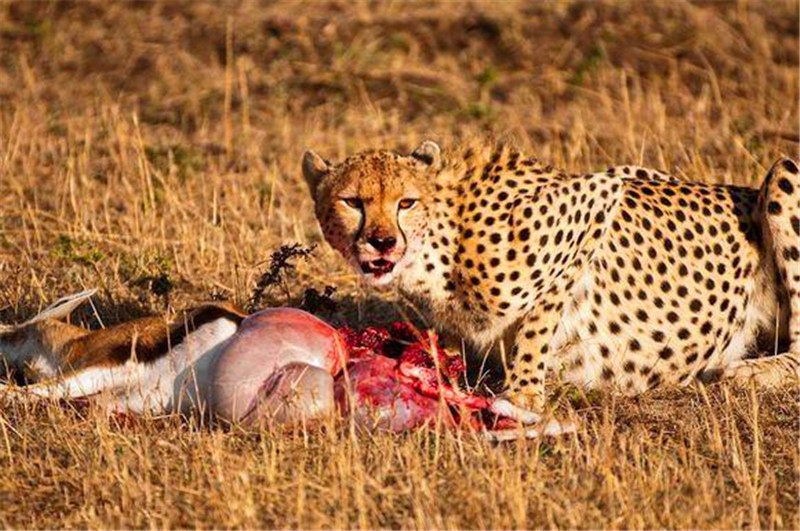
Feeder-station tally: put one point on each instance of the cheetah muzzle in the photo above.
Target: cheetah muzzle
(378, 267)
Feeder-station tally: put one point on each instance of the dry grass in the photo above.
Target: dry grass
(152, 149)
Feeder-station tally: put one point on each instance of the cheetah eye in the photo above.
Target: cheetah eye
(353, 202)
(405, 204)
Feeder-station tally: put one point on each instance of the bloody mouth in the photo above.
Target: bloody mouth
(378, 267)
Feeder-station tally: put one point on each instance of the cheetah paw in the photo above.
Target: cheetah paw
(549, 428)
(505, 408)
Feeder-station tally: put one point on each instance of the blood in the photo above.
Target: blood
(399, 378)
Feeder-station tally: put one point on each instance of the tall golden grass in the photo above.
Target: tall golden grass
(152, 149)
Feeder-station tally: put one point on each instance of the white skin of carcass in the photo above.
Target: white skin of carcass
(293, 395)
(279, 363)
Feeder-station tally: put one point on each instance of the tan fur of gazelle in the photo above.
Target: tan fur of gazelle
(148, 365)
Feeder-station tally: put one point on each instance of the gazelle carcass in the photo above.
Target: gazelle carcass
(187, 364)
(278, 365)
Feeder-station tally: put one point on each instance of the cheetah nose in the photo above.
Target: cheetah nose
(382, 245)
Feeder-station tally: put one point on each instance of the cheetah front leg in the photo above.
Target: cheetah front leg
(525, 397)
(529, 356)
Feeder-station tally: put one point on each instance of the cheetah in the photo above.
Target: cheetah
(628, 278)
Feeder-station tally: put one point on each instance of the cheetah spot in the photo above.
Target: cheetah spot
(774, 207)
(790, 166)
(786, 186)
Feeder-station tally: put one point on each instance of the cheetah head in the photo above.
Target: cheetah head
(373, 207)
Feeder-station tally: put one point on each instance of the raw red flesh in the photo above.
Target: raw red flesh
(416, 386)
(375, 398)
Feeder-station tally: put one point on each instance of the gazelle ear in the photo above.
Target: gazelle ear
(62, 307)
(314, 169)
(429, 154)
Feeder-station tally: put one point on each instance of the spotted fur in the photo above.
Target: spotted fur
(627, 278)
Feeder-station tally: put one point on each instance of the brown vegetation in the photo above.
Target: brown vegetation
(152, 149)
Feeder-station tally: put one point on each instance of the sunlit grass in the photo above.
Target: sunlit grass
(152, 150)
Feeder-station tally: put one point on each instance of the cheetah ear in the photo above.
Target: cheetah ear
(314, 169)
(429, 154)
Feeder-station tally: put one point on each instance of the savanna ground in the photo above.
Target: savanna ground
(152, 150)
